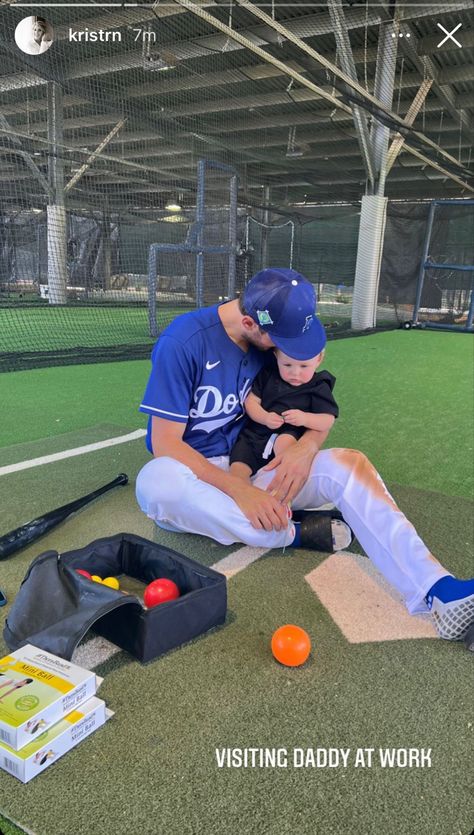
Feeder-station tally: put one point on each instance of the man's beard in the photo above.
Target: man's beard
(256, 341)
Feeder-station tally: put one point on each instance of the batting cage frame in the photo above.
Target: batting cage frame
(196, 243)
(428, 264)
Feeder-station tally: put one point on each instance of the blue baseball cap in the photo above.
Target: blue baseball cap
(283, 303)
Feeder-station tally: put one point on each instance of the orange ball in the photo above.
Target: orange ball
(291, 645)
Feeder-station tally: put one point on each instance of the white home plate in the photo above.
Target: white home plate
(362, 604)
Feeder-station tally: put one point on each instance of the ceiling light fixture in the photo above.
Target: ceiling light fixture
(173, 206)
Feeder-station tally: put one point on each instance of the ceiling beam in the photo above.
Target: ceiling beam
(304, 27)
(307, 83)
(341, 33)
(414, 109)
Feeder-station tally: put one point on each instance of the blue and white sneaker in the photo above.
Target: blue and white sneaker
(451, 603)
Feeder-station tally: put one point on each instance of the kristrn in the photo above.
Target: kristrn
(92, 35)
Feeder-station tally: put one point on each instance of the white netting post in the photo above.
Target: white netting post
(369, 257)
(57, 264)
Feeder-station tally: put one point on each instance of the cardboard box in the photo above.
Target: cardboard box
(53, 743)
(36, 690)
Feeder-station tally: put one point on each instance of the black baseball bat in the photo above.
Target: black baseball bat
(26, 534)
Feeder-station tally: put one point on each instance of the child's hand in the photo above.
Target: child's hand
(295, 417)
(274, 421)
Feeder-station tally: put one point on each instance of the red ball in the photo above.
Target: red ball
(160, 591)
(291, 645)
(83, 572)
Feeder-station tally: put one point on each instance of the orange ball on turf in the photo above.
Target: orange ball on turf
(291, 645)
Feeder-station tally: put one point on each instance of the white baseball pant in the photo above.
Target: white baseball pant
(172, 495)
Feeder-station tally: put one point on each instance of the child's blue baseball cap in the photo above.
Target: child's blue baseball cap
(283, 303)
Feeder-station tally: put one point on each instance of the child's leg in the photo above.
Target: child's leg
(283, 442)
(241, 470)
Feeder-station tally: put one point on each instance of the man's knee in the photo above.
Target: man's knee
(353, 461)
(342, 464)
(160, 484)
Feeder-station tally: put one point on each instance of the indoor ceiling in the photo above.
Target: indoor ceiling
(139, 111)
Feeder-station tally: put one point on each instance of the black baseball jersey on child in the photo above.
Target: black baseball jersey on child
(277, 396)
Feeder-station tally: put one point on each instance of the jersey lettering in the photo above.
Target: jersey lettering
(210, 404)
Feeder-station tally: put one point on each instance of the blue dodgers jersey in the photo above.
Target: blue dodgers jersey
(201, 378)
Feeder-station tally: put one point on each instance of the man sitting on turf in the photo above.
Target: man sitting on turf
(204, 365)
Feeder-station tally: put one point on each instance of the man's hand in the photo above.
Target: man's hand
(261, 509)
(294, 465)
(274, 421)
(295, 417)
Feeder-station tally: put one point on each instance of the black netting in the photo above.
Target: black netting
(444, 291)
(101, 134)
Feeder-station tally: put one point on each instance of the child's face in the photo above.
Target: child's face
(297, 372)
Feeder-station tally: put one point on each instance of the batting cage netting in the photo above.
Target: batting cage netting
(154, 158)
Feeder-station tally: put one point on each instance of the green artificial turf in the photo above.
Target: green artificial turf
(8, 828)
(58, 328)
(405, 400)
(152, 768)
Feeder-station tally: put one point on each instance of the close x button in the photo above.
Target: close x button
(449, 35)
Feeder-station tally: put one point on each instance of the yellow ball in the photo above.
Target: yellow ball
(112, 582)
(96, 578)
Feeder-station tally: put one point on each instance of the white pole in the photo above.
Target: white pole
(369, 257)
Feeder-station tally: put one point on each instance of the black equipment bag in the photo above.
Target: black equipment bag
(56, 606)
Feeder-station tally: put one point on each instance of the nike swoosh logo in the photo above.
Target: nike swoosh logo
(211, 365)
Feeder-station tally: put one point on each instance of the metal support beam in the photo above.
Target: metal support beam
(428, 69)
(26, 157)
(55, 142)
(265, 230)
(413, 111)
(342, 76)
(231, 33)
(90, 159)
(336, 13)
(383, 90)
(7, 126)
(31, 165)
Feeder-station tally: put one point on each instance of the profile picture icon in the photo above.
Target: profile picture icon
(34, 35)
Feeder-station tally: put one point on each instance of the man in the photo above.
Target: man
(203, 367)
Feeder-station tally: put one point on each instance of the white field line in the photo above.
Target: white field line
(70, 453)
(238, 560)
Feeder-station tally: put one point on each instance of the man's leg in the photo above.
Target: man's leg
(346, 478)
(169, 493)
